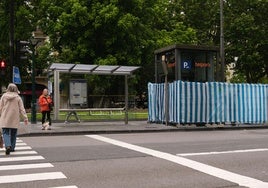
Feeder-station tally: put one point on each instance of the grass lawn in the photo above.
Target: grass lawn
(137, 114)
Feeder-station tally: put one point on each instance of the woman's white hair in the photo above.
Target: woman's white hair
(12, 88)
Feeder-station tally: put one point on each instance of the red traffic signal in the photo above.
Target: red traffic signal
(3, 64)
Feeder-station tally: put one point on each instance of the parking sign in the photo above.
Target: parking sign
(16, 75)
(186, 65)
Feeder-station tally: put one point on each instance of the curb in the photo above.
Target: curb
(149, 130)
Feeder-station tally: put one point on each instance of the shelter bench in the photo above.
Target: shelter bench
(92, 111)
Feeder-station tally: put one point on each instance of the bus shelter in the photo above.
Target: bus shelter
(56, 68)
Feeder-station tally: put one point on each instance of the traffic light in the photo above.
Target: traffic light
(22, 50)
(3, 64)
(3, 67)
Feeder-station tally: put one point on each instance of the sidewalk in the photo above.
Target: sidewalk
(73, 128)
(60, 128)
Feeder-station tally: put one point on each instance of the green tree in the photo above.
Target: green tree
(245, 28)
(203, 17)
(246, 34)
(114, 32)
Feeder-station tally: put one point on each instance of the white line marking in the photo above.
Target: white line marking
(18, 148)
(207, 169)
(28, 158)
(21, 153)
(31, 177)
(223, 152)
(23, 148)
(71, 186)
(21, 144)
(26, 166)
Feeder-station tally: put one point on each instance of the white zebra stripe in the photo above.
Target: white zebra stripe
(21, 153)
(27, 158)
(71, 186)
(26, 166)
(31, 177)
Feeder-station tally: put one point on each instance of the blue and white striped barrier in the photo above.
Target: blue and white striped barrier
(187, 102)
(156, 112)
(212, 102)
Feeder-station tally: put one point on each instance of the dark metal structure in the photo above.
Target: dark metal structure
(193, 63)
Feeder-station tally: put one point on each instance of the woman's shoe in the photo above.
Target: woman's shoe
(8, 149)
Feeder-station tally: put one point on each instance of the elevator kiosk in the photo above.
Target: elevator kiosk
(192, 63)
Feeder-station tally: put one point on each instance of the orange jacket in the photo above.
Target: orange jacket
(44, 102)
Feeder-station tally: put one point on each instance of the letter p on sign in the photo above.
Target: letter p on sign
(186, 65)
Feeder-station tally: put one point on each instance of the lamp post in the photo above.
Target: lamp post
(33, 42)
(11, 36)
(38, 37)
(222, 58)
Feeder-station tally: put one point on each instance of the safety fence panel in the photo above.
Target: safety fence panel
(236, 103)
(156, 102)
(211, 102)
(187, 102)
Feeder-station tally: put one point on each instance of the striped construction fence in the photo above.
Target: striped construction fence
(211, 102)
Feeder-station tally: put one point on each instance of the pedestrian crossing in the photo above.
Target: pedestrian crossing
(25, 165)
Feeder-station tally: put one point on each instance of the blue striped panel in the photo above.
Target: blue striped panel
(182, 102)
(212, 102)
(171, 98)
(257, 100)
(265, 102)
(196, 102)
(178, 91)
(255, 103)
(150, 103)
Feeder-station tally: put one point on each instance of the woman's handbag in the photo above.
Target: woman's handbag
(50, 105)
(1, 142)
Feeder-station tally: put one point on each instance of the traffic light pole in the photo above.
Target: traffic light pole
(33, 109)
(11, 37)
(222, 53)
(32, 44)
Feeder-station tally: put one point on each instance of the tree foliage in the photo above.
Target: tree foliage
(246, 33)
(120, 32)
(111, 33)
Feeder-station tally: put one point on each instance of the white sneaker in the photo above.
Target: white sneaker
(45, 126)
(48, 127)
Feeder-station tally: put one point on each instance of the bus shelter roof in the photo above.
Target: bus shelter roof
(93, 69)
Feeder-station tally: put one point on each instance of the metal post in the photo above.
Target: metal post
(177, 64)
(11, 37)
(126, 99)
(33, 109)
(166, 100)
(164, 65)
(56, 93)
(222, 55)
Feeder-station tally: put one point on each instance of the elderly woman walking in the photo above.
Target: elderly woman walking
(11, 110)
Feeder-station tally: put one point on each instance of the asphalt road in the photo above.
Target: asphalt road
(199, 159)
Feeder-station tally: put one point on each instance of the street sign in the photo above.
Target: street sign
(187, 65)
(16, 75)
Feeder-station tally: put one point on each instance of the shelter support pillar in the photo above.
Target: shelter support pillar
(56, 94)
(178, 64)
(126, 99)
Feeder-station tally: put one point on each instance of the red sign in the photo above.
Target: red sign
(201, 64)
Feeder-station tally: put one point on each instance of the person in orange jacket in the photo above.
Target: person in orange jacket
(45, 103)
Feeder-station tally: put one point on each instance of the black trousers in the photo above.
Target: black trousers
(46, 117)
